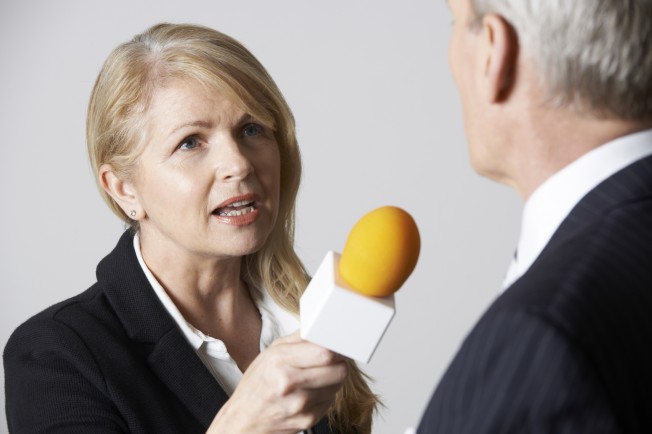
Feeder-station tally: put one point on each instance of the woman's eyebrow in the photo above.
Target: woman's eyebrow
(246, 117)
(197, 123)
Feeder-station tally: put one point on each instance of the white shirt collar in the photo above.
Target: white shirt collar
(553, 200)
(276, 321)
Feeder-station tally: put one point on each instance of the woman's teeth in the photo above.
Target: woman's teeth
(236, 212)
(237, 208)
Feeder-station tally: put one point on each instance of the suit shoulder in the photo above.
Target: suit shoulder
(78, 301)
(46, 327)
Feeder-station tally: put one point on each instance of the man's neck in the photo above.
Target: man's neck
(557, 137)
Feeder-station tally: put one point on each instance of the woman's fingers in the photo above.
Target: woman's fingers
(287, 388)
(300, 353)
(321, 376)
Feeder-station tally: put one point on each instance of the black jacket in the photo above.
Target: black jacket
(110, 360)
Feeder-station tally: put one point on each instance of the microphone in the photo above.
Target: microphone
(349, 303)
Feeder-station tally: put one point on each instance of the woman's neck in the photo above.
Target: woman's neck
(208, 292)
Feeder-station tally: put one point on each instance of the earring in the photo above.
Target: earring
(133, 213)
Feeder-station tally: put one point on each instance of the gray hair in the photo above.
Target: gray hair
(594, 55)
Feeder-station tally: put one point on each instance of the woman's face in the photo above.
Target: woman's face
(208, 177)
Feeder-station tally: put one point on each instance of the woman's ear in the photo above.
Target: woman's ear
(499, 55)
(122, 192)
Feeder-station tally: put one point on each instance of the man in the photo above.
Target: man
(557, 99)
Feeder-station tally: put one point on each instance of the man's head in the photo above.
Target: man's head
(593, 54)
(532, 74)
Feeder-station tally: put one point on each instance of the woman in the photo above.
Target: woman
(194, 147)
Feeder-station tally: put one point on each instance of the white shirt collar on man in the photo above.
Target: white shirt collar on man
(553, 200)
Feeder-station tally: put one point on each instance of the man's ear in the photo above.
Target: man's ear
(122, 191)
(498, 56)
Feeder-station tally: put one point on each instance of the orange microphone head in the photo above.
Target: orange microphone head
(381, 252)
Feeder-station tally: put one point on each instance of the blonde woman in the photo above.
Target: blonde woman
(190, 326)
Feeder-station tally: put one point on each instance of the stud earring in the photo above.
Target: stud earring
(133, 213)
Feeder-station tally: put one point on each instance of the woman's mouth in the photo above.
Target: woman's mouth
(238, 211)
(237, 208)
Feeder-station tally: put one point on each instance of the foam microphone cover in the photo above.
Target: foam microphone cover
(349, 302)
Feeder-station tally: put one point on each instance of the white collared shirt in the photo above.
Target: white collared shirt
(553, 200)
(276, 322)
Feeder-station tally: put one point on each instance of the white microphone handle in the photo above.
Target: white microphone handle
(341, 319)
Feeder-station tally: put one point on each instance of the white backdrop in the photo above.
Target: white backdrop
(379, 123)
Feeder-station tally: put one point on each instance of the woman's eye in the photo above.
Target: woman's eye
(189, 143)
(251, 130)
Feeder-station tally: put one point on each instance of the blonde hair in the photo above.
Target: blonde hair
(121, 95)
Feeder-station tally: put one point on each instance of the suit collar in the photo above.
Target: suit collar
(146, 321)
(554, 199)
(130, 294)
(630, 184)
(177, 365)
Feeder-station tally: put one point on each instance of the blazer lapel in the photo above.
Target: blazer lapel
(177, 365)
(146, 321)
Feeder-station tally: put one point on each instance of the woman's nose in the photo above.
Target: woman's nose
(232, 161)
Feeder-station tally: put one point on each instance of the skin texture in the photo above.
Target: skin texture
(201, 153)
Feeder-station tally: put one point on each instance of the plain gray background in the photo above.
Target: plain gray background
(379, 123)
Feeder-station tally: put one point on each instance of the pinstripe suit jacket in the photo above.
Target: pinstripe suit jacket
(568, 347)
(110, 360)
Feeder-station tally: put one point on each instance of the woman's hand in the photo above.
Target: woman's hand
(286, 389)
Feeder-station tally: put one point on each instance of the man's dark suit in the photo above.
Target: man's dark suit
(568, 347)
(109, 360)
